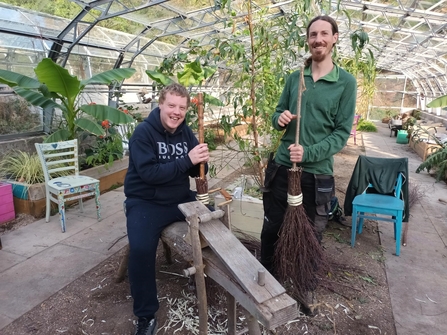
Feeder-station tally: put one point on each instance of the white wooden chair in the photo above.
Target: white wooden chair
(63, 156)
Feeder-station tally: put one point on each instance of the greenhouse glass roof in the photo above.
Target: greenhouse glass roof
(408, 37)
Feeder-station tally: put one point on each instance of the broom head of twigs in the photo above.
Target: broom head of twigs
(299, 256)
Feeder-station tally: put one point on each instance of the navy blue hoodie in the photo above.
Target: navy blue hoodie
(159, 165)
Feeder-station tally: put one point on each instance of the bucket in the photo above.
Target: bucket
(402, 137)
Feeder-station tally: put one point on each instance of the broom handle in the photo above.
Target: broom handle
(201, 129)
(301, 89)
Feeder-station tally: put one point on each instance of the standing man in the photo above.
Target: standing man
(164, 153)
(327, 113)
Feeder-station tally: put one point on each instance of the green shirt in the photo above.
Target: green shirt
(327, 113)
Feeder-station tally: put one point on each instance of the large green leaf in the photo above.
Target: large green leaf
(192, 74)
(209, 71)
(13, 79)
(207, 98)
(188, 78)
(36, 99)
(109, 76)
(57, 79)
(159, 77)
(90, 126)
(195, 67)
(438, 102)
(46, 92)
(102, 112)
(59, 135)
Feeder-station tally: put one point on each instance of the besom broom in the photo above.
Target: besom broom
(299, 255)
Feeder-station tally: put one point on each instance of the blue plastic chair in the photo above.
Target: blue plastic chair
(372, 203)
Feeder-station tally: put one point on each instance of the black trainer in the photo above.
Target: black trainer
(146, 326)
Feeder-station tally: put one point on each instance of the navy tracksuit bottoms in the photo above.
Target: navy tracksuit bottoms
(145, 222)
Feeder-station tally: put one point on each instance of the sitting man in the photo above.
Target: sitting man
(164, 153)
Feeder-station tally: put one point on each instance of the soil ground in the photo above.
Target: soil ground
(353, 299)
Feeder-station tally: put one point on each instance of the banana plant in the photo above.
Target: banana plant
(438, 102)
(55, 88)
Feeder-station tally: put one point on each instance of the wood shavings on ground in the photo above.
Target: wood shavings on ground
(184, 315)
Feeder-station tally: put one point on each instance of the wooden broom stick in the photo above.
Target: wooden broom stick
(201, 182)
(301, 89)
(201, 129)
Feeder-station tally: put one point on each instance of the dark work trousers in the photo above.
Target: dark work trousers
(145, 222)
(275, 206)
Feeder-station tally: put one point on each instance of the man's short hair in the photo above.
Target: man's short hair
(334, 27)
(175, 89)
(326, 18)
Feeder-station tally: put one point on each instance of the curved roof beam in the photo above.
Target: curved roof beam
(77, 30)
(410, 39)
(202, 18)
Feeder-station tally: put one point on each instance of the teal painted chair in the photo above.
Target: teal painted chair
(379, 186)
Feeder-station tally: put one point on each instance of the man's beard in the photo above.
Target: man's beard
(321, 56)
(318, 58)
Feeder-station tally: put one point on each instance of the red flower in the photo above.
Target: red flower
(105, 124)
(194, 101)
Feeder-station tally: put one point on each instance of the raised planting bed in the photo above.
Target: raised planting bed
(422, 148)
(30, 199)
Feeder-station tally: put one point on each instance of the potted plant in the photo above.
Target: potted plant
(24, 171)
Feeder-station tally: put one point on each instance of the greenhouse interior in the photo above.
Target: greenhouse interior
(94, 71)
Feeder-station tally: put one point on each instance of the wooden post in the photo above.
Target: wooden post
(231, 301)
(122, 270)
(261, 277)
(193, 221)
(253, 325)
(231, 314)
(226, 219)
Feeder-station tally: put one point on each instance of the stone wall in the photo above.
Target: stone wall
(435, 118)
(23, 144)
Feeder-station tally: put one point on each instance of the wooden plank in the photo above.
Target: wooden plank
(271, 313)
(239, 261)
